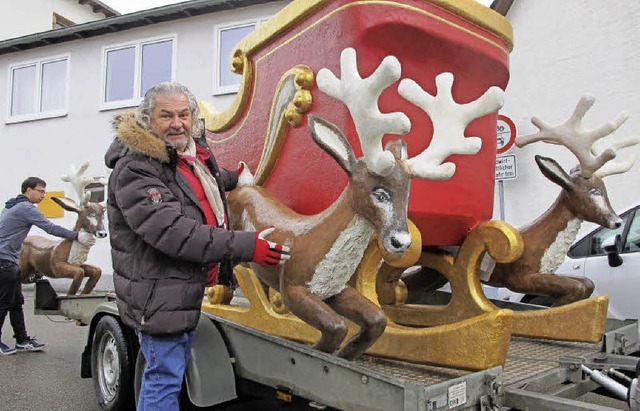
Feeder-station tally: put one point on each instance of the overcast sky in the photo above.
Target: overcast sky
(128, 6)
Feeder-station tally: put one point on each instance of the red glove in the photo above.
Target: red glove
(269, 253)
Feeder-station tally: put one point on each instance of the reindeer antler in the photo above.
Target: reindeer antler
(449, 120)
(361, 98)
(78, 181)
(616, 166)
(592, 154)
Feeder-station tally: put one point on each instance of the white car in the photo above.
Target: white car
(611, 259)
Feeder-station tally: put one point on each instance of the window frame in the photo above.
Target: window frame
(137, 66)
(38, 113)
(222, 62)
(625, 239)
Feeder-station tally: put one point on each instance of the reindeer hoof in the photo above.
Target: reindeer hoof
(219, 294)
(276, 302)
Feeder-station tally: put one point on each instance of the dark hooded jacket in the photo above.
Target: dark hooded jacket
(160, 245)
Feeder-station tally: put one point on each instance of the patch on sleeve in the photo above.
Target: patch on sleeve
(154, 196)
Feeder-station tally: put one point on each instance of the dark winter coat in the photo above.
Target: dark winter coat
(160, 246)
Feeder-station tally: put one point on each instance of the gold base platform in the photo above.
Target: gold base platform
(476, 343)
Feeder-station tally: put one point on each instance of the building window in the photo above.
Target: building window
(38, 89)
(132, 69)
(226, 38)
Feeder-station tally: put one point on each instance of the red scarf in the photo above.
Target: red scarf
(185, 166)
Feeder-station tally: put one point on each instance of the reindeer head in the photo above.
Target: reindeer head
(90, 215)
(584, 192)
(381, 179)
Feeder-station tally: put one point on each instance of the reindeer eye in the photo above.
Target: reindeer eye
(595, 192)
(381, 196)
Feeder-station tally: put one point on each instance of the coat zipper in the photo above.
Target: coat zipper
(146, 303)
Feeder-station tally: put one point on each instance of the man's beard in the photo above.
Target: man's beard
(179, 145)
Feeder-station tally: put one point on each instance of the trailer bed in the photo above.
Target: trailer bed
(542, 374)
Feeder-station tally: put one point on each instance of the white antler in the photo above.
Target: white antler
(618, 165)
(449, 119)
(79, 182)
(361, 98)
(591, 155)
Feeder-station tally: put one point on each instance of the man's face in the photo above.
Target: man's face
(171, 120)
(35, 195)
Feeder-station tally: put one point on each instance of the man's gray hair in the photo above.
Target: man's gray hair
(145, 109)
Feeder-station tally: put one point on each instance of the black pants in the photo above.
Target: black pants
(12, 300)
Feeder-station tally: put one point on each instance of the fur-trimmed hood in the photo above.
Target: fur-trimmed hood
(131, 137)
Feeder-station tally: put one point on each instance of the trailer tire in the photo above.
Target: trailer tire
(111, 366)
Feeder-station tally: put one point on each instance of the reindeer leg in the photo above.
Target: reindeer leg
(582, 292)
(315, 312)
(65, 270)
(568, 289)
(371, 319)
(94, 274)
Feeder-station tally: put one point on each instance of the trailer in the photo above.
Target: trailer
(233, 366)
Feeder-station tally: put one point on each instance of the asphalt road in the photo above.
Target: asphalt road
(50, 379)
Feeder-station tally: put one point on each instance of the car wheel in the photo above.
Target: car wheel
(111, 366)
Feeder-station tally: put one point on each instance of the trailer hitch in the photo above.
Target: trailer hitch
(491, 402)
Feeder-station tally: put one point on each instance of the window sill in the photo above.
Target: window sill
(115, 105)
(225, 90)
(36, 116)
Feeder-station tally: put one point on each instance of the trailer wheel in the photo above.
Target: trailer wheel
(111, 366)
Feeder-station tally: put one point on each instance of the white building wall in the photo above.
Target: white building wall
(33, 16)
(564, 49)
(45, 148)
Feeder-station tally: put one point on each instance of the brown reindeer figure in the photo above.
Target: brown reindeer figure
(66, 258)
(583, 197)
(326, 248)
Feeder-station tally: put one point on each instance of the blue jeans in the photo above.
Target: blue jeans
(166, 358)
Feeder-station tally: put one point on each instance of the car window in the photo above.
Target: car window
(632, 244)
(580, 249)
(600, 235)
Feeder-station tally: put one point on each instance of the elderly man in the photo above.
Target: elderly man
(168, 223)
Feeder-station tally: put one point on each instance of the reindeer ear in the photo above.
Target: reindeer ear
(552, 170)
(331, 140)
(67, 203)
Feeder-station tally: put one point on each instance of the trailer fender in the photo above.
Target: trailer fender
(209, 378)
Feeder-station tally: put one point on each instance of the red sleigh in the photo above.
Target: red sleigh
(266, 127)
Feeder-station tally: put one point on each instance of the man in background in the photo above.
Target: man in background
(17, 218)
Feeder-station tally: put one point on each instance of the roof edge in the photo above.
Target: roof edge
(124, 22)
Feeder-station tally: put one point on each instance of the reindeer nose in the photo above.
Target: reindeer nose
(398, 242)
